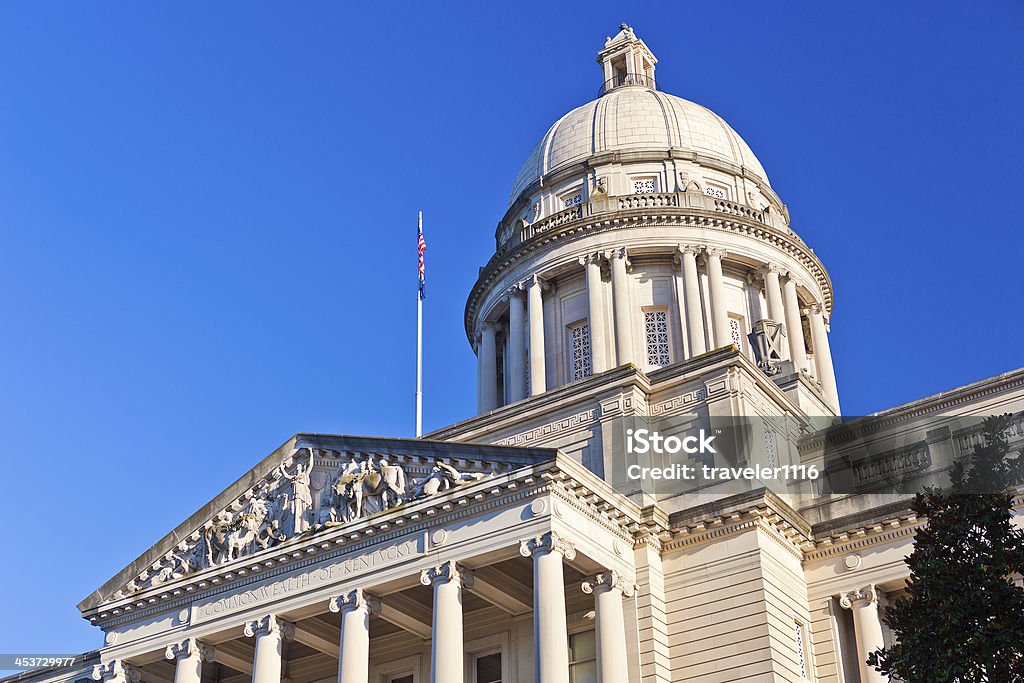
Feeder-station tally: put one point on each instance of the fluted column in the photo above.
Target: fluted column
(621, 309)
(823, 356)
(354, 649)
(716, 290)
(694, 315)
(595, 312)
(488, 360)
(269, 632)
(794, 328)
(867, 628)
(535, 306)
(446, 651)
(608, 589)
(516, 375)
(188, 657)
(550, 634)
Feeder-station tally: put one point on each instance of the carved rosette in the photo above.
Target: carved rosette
(270, 625)
(190, 647)
(355, 599)
(116, 671)
(609, 580)
(546, 543)
(868, 594)
(449, 571)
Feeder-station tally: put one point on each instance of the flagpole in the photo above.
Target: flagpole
(419, 351)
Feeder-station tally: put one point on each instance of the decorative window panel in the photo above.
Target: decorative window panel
(798, 638)
(580, 346)
(735, 333)
(769, 448)
(656, 328)
(716, 192)
(644, 186)
(572, 200)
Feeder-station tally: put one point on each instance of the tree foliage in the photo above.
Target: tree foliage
(963, 617)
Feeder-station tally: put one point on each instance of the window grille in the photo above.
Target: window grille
(769, 447)
(581, 362)
(656, 326)
(798, 637)
(643, 186)
(716, 192)
(572, 200)
(734, 332)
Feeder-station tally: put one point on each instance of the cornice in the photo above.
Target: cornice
(586, 226)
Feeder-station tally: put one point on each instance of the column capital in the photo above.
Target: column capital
(767, 268)
(548, 542)
(447, 571)
(618, 252)
(716, 252)
(270, 624)
(356, 598)
(517, 290)
(689, 249)
(190, 647)
(587, 259)
(868, 594)
(792, 279)
(116, 671)
(609, 580)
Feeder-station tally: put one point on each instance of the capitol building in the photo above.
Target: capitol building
(645, 275)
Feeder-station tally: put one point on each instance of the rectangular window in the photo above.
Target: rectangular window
(579, 338)
(582, 658)
(487, 668)
(735, 333)
(571, 200)
(716, 192)
(769, 449)
(644, 186)
(401, 679)
(798, 640)
(656, 329)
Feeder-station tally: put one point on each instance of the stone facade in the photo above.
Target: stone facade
(512, 546)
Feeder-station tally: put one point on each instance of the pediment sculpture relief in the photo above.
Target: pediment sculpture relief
(302, 496)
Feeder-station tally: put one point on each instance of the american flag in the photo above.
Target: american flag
(422, 247)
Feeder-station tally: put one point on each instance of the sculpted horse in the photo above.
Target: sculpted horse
(226, 541)
(385, 482)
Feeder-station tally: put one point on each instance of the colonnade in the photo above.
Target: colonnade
(448, 657)
(704, 323)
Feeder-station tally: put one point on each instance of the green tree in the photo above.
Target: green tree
(963, 618)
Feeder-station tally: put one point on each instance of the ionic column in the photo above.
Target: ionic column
(716, 290)
(867, 628)
(354, 650)
(446, 649)
(116, 671)
(694, 315)
(823, 356)
(550, 634)
(773, 292)
(608, 589)
(488, 360)
(188, 657)
(516, 346)
(794, 329)
(269, 632)
(535, 304)
(621, 311)
(595, 312)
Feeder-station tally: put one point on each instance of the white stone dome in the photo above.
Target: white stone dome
(635, 119)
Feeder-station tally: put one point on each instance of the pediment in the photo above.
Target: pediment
(311, 484)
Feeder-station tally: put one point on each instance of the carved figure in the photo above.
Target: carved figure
(227, 541)
(385, 481)
(441, 478)
(302, 498)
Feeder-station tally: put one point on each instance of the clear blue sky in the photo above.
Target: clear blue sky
(207, 224)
